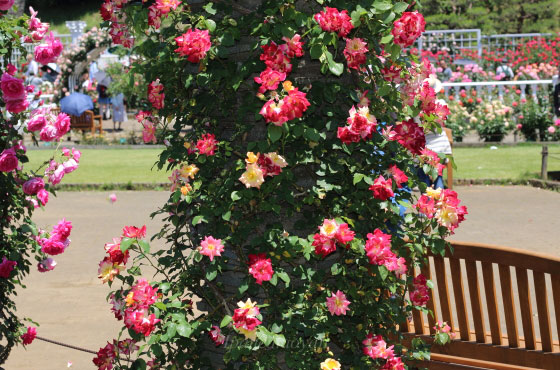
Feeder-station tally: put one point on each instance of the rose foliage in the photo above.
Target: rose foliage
(293, 131)
(24, 189)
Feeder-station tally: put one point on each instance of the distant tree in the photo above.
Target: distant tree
(493, 16)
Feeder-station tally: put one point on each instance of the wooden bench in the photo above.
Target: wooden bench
(84, 122)
(474, 347)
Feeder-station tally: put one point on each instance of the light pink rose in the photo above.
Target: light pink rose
(48, 133)
(551, 130)
(48, 264)
(32, 186)
(32, 202)
(8, 160)
(43, 197)
(6, 4)
(70, 165)
(12, 88)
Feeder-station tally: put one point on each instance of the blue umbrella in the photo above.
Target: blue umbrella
(76, 104)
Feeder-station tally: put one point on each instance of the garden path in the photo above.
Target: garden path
(69, 302)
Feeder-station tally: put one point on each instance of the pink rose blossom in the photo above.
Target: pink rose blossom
(33, 185)
(165, 6)
(337, 303)
(333, 20)
(382, 189)
(211, 247)
(216, 335)
(260, 267)
(113, 198)
(17, 106)
(8, 160)
(49, 51)
(29, 336)
(48, 264)
(6, 4)
(551, 130)
(408, 28)
(156, 95)
(70, 165)
(206, 145)
(62, 124)
(36, 123)
(6, 267)
(193, 44)
(12, 88)
(43, 196)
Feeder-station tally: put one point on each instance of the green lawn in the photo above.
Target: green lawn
(506, 162)
(121, 166)
(84, 10)
(107, 166)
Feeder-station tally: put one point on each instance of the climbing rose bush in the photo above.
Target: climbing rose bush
(293, 232)
(23, 188)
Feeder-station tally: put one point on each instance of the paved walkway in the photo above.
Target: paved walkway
(70, 305)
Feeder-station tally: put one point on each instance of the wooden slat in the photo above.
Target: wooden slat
(491, 303)
(542, 309)
(474, 363)
(525, 305)
(418, 321)
(443, 291)
(492, 353)
(460, 306)
(509, 305)
(506, 256)
(431, 305)
(476, 302)
(555, 279)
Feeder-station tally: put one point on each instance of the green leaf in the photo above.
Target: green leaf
(276, 328)
(209, 8)
(274, 132)
(400, 7)
(284, 276)
(265, 336)
(383, 272)
(126, 243)
(386, 39)
(171, 329)
(336, 269)
(316, 51)
(211, 273)
(381, 5)
(274, 280)
(227, 216)
(161, 306)
(226, 320)
(198, 219)
(235, 196)
(139, 364)
(312, 134)
(210, 25)
(357, 178)
(184, 330)
(144, 245)
(280, 340)
(336, 68)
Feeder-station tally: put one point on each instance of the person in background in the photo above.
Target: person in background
(446, 72)
(32, 67)
(505, 70)
(104, 100)
(51, 71)
(119, 110)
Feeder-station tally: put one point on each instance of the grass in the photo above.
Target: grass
(507, 162)
(85, 10)
(107, 166)
(123, 166)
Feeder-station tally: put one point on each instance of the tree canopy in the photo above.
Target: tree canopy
(493, 16)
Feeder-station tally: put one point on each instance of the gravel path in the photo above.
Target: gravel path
(70, 305)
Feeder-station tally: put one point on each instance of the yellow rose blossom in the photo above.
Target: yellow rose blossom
(330, 364)
(287, 85)
(252, 177)
(189, 171)
(186, 189)
(433, 193)
(277, 160)
(251, 158)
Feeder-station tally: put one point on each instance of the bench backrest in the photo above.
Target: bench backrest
(477, 310)
(83, 121)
